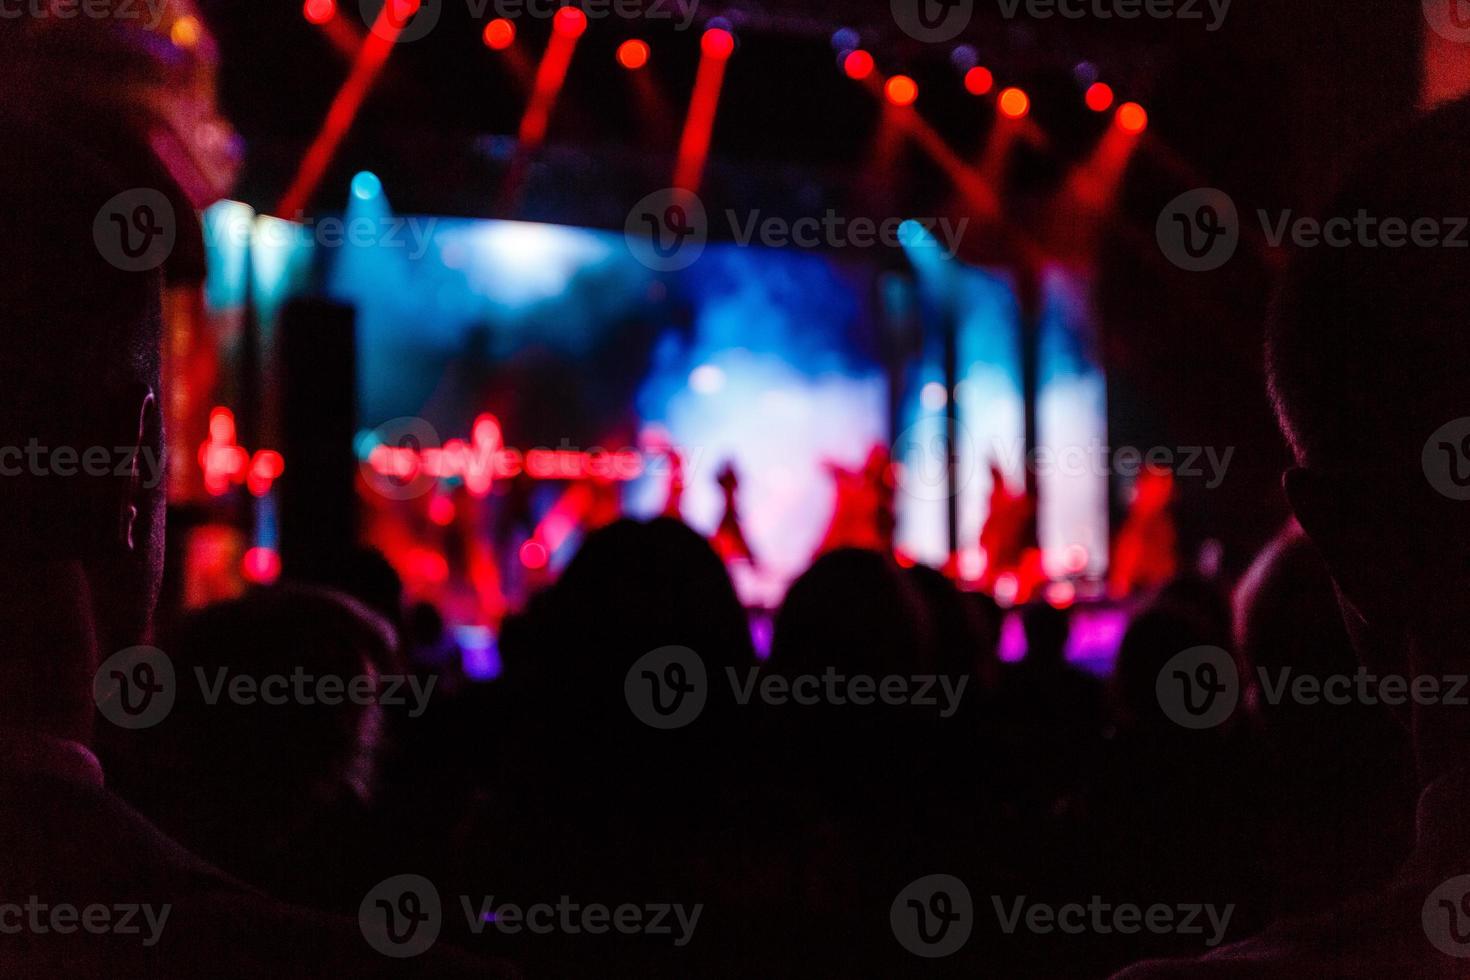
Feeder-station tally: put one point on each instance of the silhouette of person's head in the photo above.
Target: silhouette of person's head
(960, 637)
(852, 610)
(1161, 630)
(1046, 628)
(299, 746)
(1367, 356)
(632, 588)
(81, 442)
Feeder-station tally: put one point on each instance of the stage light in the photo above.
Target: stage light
(933, 397)
(979, 80)
(633, 54)
(569, 21)
(1099, 97)
(185, 33)
(1132, 118)
(857, 65)
(901, 90)
(1061, 595)
(845, 39)
(441, 510)
(533, 555)
(319, 11)
(717, 43)
(1014, 103)
(964, 57)
(366, 185)
(499, 34)
(707, 379)
(261, 566)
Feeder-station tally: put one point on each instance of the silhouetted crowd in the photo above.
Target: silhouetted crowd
(793, 825)
(304, 784)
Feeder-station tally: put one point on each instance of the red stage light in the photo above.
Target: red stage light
(401, 11)
(1099, 97)
(633, 54)
(1014, 103)
(858, 65)
(1132, 118)
(499, 34)
(979, 81)
(533, 555)
(441, 510)
(319, 11)
(570, 21)
(717, 43)
(261, 565)
(901, 90)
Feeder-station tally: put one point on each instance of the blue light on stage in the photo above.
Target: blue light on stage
(366, 185)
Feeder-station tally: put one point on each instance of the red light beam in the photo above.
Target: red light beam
(715, 47)
(371, 57)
